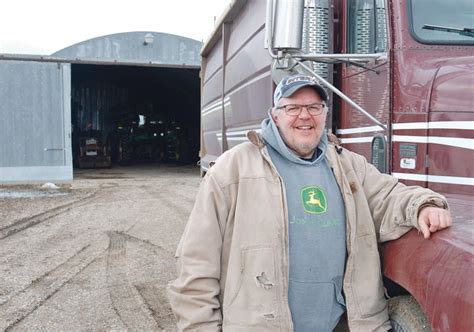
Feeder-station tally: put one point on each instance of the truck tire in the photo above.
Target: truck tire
(406, 315)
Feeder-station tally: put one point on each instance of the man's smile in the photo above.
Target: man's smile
(304, 129)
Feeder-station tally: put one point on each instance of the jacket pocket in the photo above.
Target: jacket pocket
(251, 299)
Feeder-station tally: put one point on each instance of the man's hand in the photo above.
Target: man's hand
(432, 219)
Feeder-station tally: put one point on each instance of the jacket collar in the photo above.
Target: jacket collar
(256, 139)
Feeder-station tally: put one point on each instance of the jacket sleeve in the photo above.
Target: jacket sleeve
(394, 206)
(194, 294)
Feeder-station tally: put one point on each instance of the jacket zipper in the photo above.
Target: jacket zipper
(287, 320)
(340, 181)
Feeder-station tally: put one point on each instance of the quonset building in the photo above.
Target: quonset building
(135, 79)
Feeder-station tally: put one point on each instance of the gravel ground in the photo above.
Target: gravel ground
(96, 255)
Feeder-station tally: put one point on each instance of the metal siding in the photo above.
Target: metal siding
(211, 103)
(213, 64)
(250, 61)
(66, 95)
(248, 83)
(34, 111)
(166, 48)
(249, 20)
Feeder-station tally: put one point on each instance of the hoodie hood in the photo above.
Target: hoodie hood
(272, 137)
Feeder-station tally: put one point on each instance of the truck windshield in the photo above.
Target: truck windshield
(442, 22)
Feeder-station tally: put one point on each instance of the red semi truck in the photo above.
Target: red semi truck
(401, 79)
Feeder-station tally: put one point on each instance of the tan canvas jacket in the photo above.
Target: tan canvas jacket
(233, 256)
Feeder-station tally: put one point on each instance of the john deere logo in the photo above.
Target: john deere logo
(313, 199)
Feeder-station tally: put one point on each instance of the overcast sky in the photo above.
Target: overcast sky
(46, 26)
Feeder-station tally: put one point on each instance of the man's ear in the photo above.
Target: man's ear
(275, 115)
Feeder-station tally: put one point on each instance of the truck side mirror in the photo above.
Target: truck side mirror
(287, 23)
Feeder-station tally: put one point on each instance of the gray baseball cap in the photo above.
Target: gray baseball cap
(290, 84)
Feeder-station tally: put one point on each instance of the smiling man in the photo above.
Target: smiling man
(283, 235)
(301, 131)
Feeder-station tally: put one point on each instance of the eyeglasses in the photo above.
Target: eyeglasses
(295, 110)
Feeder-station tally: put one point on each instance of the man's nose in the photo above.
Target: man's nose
(304, 114)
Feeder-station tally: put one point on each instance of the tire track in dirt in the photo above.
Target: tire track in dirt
(157, 250)
(156, 298)
(22, 304)
(152, 294)
(126, 299)
(172, 199)
(26, 223)
(174, 203)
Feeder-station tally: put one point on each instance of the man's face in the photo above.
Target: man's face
(300, 133)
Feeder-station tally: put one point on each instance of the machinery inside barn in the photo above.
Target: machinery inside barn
(129, 114)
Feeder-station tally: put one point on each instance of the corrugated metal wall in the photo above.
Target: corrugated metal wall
(35, 121)
(162, 47)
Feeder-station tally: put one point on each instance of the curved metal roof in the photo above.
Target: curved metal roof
(138, 47)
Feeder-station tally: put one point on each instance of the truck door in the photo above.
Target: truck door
(441, 72)
(451, 107)
(451, 129)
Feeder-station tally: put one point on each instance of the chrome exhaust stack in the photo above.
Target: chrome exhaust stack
(288, 27)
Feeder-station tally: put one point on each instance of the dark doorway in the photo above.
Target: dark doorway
(128, 115)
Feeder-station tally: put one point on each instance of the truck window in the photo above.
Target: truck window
(367, 26)
(441, 21)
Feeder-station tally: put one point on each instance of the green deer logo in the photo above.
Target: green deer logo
(314, 200)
